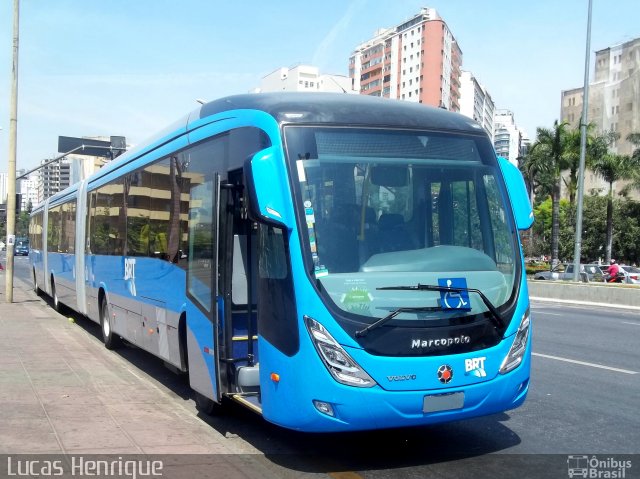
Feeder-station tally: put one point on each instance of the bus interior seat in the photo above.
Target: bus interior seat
(393, 234)
(337, 241)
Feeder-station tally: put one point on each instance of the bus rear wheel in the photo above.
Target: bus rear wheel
(111, 340)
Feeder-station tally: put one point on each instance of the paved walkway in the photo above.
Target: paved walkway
(62, 392)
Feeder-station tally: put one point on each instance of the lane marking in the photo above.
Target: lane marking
(592, 315)
(627, 322)
(550, 314)
(583, 363)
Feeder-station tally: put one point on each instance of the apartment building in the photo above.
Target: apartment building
(28, 189)
(305, 78)
(507, 136)
(476, 102)
(614, 100)
(418, 60)
(53, 178)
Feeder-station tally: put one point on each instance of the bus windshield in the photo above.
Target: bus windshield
(382, 208)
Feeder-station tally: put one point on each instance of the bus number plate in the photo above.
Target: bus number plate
(443, 402)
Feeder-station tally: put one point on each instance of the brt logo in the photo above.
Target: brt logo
(130, 275)
(475, 367)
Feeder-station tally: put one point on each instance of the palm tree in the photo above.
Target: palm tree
(612, 167)
(572, 158)
(596, 147)
(548, 158)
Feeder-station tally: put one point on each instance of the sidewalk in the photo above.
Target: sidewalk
(62, 392)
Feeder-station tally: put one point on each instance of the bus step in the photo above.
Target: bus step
(252, 401)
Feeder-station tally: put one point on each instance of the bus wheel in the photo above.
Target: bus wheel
(111, 340)
(54, 296)
(207, 406)
(36, 288)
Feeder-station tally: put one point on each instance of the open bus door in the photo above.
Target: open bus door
(203, 311)
(220, 282)
(237, 254)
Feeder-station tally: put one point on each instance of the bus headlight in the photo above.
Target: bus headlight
(519, 346)
(343, 369)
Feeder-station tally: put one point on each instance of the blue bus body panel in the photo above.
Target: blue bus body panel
(304, 378)
(62, 268)
(150, 303)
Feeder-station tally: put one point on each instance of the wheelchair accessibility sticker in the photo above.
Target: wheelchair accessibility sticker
(454, 299)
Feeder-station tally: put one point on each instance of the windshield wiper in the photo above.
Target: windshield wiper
(496, 317)
(362, 333)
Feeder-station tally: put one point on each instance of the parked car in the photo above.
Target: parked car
(565, 272)
(21, 249)
(631, 274)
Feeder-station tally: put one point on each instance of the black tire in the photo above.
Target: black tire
(54, 296)
(208, 406)
(36, 288)
(111, 340)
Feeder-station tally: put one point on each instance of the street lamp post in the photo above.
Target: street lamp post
(13, 137)
(583, 147)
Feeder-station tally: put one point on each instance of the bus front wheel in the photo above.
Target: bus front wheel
(36, 288)
(54, 296)
(207, 406)
(111, 340)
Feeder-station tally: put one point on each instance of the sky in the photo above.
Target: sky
(131, 67)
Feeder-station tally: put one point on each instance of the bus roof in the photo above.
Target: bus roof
(341, 108)
(299, 108)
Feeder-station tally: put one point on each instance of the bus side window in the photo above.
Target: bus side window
(272, 262)
(277, 319)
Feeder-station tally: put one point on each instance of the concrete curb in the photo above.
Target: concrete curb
(587, 294)
(584, 303)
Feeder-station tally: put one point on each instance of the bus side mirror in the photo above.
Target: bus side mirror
(267, 186)
(517, 193)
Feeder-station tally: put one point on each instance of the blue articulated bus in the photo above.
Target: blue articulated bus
(333, 262)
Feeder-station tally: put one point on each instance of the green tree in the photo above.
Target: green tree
(634, 139)
(594, 227)
(548, 158)
(612, 168)
(626, 240)
(22, 224)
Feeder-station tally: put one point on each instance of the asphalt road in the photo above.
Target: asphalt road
(584, 400)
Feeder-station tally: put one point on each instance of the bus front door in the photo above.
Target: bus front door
(205, 306)
(237, 288)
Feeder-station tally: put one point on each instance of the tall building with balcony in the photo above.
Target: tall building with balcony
(418, 60)
(507, 136)
(476, 102)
